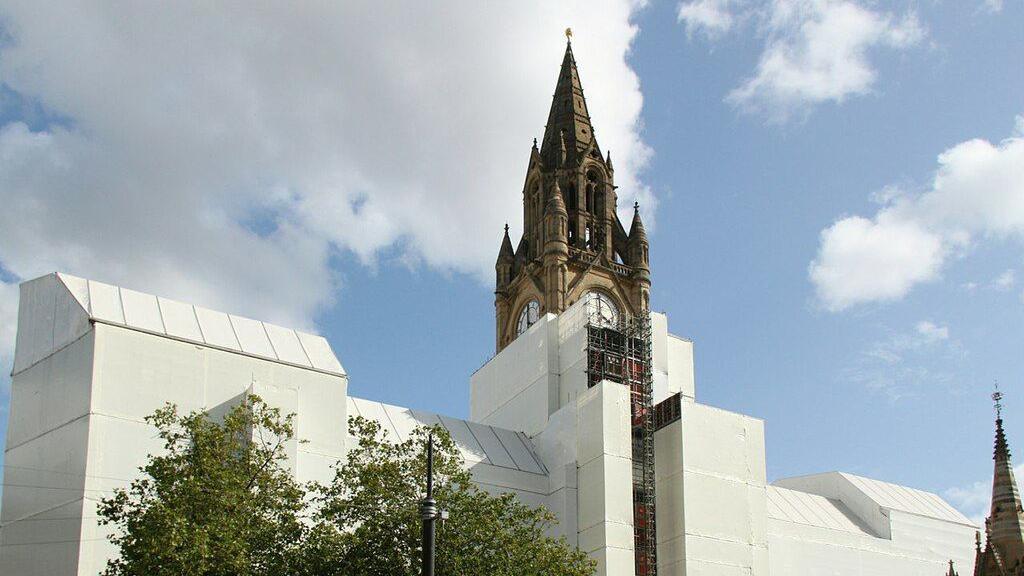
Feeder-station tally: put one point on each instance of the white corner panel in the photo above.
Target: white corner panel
(496, 452)
(252, 337)
(106, 302)
(403, 420)
(217, 329)
(319, 353)
(141, 311)
(286, 345)
(78, 288)
(180, 320)
(514, 443)
(471, 449)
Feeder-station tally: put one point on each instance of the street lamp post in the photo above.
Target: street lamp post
(428, 513)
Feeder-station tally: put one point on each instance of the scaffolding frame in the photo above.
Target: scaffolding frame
(620, 351)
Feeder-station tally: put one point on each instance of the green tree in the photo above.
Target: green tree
(368, 516)
(218, 501)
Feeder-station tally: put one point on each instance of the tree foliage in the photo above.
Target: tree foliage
(372, 503)
(220, 501)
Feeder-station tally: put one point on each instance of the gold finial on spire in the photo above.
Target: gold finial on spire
(568, 34)
(997, 397)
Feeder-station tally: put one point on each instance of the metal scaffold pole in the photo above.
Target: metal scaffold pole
(621, 352)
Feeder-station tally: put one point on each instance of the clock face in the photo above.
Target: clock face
(602, 309)
(529, 316)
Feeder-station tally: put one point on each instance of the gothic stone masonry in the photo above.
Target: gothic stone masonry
(573, 242)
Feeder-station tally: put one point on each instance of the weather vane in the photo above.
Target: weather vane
(568, 33)
(997, 397)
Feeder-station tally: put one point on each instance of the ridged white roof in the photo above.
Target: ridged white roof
(62, 306)
(866, 495)
(903, 499)
(479, 443)
(813, 510)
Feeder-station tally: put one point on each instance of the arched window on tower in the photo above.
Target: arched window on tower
(538, 218)
(591, 190)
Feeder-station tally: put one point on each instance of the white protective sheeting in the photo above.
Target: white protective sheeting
(813, 510)
(865, 494)
(62, 307)
(478, 443)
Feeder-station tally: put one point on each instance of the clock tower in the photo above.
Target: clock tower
(573, 245)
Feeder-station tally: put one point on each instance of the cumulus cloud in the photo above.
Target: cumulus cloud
(815, 51)
(818, 51)
(712, 17)
(224, 155)
(862, 260)
(977, 193)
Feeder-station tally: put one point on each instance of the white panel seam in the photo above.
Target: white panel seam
(235, 332)
(50, 509)
(304, 351)
(528, 444)
(44, 433)
(221, 348)
(120, 299)
(54, 352)
(502, 444)
(487, 457)
(199, 324)
(270, 340)
(160, 312)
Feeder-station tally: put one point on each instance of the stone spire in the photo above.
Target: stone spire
(573, 241)
(1005, 525)
(506, 253)
(568, 118)
(636, 229)
(952, 571)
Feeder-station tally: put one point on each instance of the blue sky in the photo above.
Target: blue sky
(839, 277)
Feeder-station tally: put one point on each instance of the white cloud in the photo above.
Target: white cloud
(1005, 281)
(222, 155)
(994, 6)
(902, 364)
(977, 193)
(931, 333)
(818, 51)
(8, 322)
(712, 17)
(862, 260)
(815, 51)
